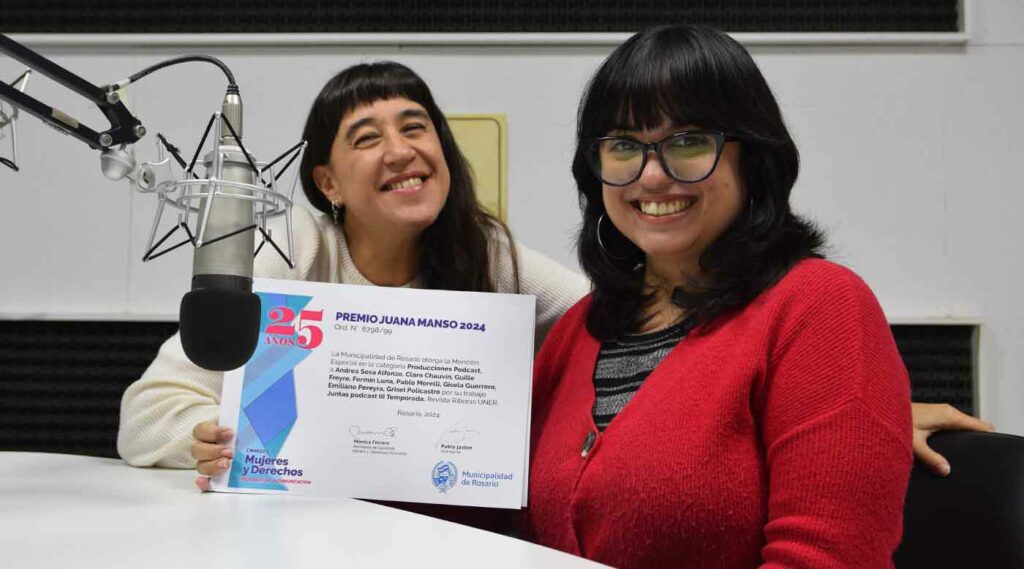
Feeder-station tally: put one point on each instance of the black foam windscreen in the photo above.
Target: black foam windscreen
(219, 327)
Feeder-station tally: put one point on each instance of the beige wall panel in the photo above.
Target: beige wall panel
(483, 139)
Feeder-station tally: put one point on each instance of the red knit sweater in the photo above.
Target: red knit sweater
(779, 436)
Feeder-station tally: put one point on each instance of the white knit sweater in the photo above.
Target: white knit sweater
(159, 410)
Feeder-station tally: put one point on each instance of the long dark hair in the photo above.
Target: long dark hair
(453, 251)
(690, 75)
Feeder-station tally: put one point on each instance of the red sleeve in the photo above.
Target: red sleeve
(836, 427)
(550, 360)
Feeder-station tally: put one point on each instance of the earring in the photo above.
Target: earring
(336, 211)
(604, 249)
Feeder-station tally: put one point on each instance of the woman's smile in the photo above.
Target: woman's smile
(405, 183)
(664, 209)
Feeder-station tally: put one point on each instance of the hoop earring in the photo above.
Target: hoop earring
(337, 211)
(600, 243)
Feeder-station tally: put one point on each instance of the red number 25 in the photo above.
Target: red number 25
(310, 335)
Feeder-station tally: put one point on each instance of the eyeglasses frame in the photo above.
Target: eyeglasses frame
(593, 158)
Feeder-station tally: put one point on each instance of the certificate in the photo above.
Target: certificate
(384, 393)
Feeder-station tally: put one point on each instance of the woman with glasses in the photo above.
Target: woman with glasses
(725, 397)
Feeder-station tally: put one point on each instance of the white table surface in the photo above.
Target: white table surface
(66, 511)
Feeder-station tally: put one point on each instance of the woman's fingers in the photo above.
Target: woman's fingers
(206, 451)
(208, 442)
(953, 419)
(933, 460)
(930, 418)
(203, 483)
(210, 432)
(213, 467)
(943, 417)
(212, 455)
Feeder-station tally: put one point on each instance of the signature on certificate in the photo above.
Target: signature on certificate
(457, 433)
(357, 431)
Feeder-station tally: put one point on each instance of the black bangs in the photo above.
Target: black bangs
(664, 74)
(367, 84)
(644, 105)
(689, 75)
(645, 97)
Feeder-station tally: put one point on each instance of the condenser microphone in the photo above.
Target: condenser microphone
(220, 316)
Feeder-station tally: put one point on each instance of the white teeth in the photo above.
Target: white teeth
(658, 209)
(406, 183)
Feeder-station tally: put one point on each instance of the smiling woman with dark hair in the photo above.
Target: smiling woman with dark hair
(725, 397)
(398, 208)
(450, 239)
(700, 78)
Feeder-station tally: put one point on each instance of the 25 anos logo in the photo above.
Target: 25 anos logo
(285, 329)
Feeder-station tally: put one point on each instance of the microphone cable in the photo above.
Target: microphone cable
(232, 85)
(186, 59)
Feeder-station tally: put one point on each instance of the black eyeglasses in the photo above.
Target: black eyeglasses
(687, 157)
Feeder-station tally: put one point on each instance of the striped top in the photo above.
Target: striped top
(624, 364)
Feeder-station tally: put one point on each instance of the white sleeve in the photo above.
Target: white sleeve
(159, 410)
(557, 288)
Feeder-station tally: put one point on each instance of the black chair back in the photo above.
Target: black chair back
(975, 516)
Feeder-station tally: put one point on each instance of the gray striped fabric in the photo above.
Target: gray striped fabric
(624, 364)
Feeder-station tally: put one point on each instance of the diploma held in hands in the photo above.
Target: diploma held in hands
(384, 393)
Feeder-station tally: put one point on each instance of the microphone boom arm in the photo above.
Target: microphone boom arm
(125, 128)
(220, 316)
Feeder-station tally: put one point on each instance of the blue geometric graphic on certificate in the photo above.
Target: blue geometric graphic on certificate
(268, 410)
(273, 413)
